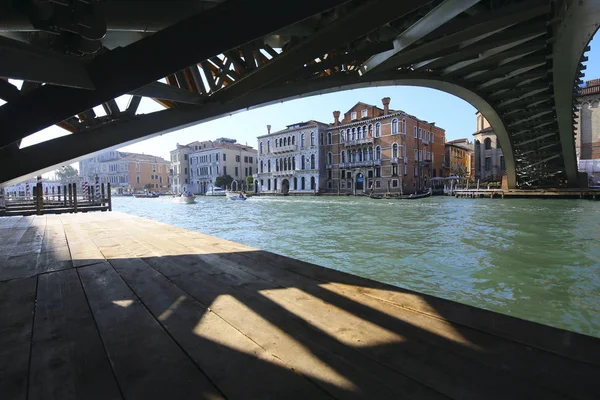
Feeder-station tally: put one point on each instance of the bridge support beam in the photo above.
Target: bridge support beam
(580, 20)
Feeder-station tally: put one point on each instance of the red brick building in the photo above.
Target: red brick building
(388, 148)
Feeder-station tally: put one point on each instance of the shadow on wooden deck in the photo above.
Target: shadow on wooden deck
(247, 324)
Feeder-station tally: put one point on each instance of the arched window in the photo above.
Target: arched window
(365, 152)
(293, 163)
(268, 165)
(394, 126)
(293, 140)
(312, 138)
(370, 154)
(312, 162)
(403, 126)
(395, 150)
(268, 146)
(276, 165)
(329, 138)
(343, 156)
(302, 140)
(416, 154)
(312, 183)
(260, 147)
(302, 183)
(285, 164)
(359, 154)
(329, 158)
(377, 130)
(353, 134)
(342, 136)
(371, 130)
(364, 132)
(303, 165)
(261, 166)
(290, 163)
(488, 143)
(295, 183)
(378, 153)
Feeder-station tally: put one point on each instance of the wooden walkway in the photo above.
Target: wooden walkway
(110, 306)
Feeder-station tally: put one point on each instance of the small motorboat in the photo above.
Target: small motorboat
(185, 199)
(237, 196)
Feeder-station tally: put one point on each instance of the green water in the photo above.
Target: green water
(534, 259)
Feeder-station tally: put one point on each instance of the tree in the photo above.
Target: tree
(249, 182)
(148, 186)
(223, 181)
(66, 172)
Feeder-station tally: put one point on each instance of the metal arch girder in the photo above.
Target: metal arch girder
(573, 34)
(125, 69)
(30, 63)
(437, 17)
(48, 155)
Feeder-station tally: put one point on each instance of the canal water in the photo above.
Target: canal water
(533, 259)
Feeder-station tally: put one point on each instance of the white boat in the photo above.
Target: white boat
(215, 191)
(183, 199)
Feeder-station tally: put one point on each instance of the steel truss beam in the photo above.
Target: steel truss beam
(159, 90)
(437, 17)
(125, 69)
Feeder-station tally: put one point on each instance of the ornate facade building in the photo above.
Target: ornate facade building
(489, 160)
(290, 160)
(460, 159)
(389, 149)
(587, 130)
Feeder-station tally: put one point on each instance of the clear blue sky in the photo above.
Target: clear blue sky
(451, 113)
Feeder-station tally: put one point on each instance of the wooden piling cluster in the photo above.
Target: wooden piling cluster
(66, 200)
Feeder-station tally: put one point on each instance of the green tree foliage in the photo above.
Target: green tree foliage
(249, 182)
(66, 172)
(223, 181)
(148, 186)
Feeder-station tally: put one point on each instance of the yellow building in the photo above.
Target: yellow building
(459, 158)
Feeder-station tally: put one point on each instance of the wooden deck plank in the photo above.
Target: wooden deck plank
(237, 365)
(562, 374)
(68, 360)
(146, 361)
(320, 357)
(17, 302)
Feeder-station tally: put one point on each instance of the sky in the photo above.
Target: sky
(454, 115)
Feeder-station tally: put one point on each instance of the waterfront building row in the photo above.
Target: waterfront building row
(127, 172)
(370, 145)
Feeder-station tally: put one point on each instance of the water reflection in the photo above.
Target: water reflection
(538, 260)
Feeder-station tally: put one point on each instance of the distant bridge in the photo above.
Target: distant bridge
(518, 62)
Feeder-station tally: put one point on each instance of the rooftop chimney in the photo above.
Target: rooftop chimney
(386, 105)
(268, 129)
(336, 118)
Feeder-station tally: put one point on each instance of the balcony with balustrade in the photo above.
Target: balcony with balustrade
(284, 149)
(284, 173)
(357, 164)
(358, 142)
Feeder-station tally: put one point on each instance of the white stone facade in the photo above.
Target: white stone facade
(289, 161)
(221, 158)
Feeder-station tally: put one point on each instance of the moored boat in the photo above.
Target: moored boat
(145, 195)
(215, 191)
(237, 196)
